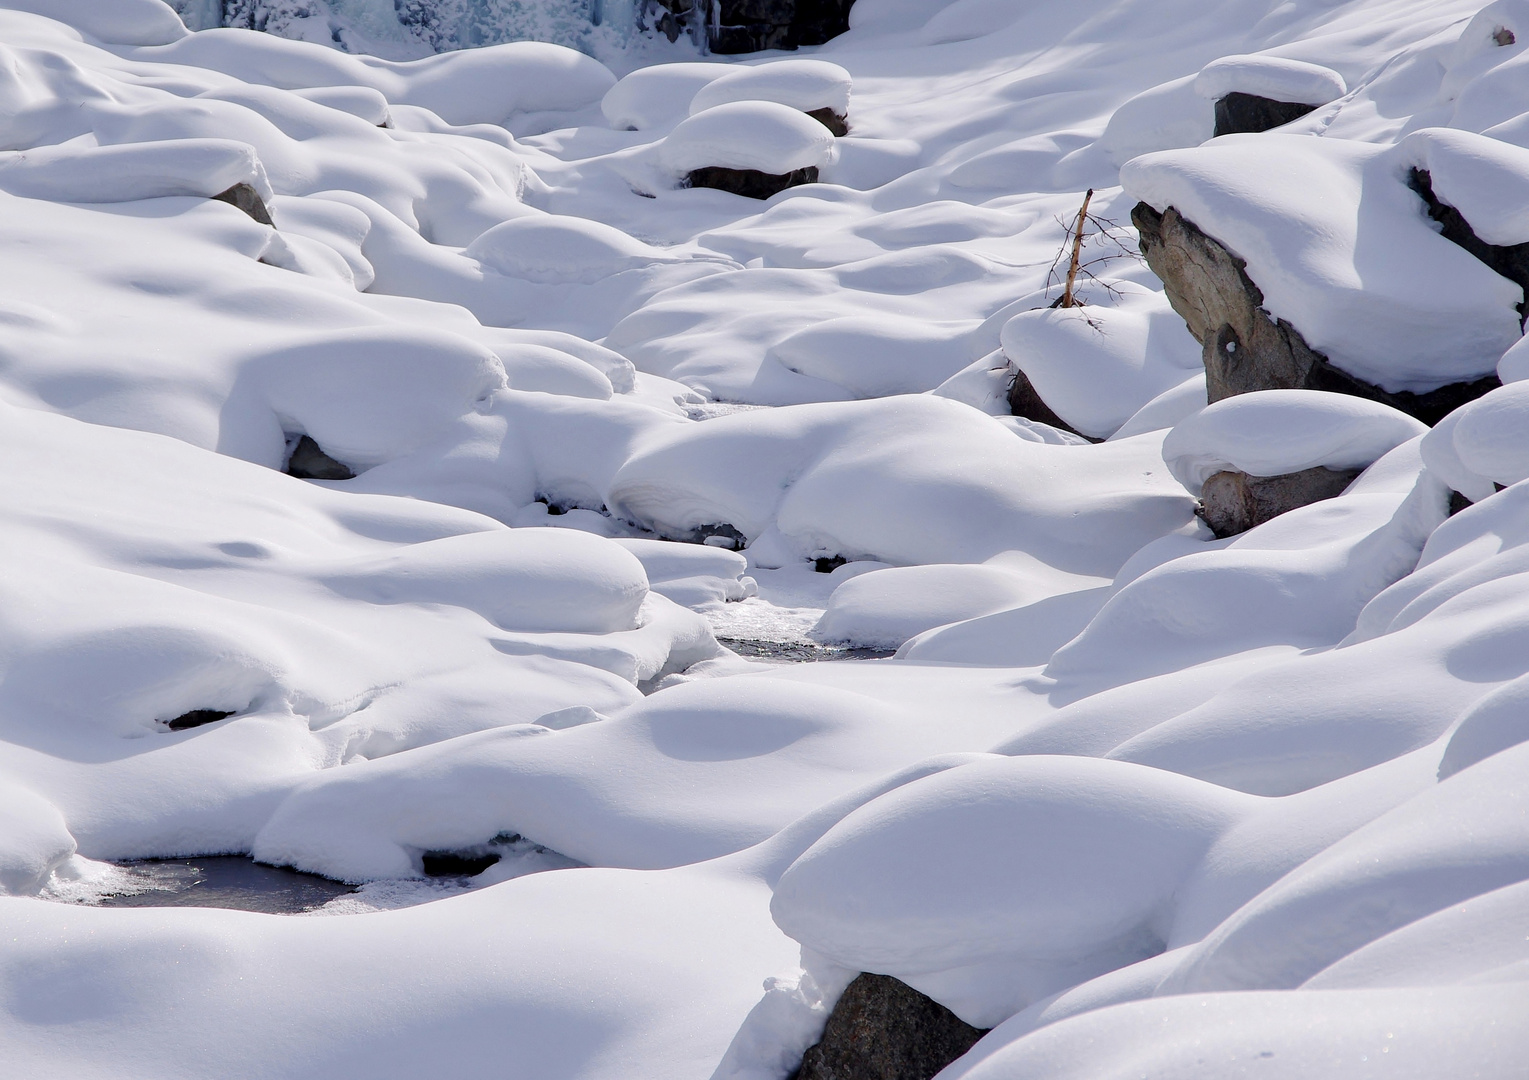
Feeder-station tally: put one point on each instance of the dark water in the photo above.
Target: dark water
(799, 652)
(226, 881)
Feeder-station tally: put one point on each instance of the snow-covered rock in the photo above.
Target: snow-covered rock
(1274, 432)
(762, 136)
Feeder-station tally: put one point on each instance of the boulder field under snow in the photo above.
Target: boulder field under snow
(402, 466)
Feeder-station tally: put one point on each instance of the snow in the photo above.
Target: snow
(1340, 247)
(1275, 77)
(1273, 432)
(760, 135)
(808, 85)
(1097, 367)
(1142, 800)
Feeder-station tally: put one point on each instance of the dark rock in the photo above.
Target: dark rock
(737, 26)
(883, 1029)
(751, 183)
(456, 863)
(309, 462)
(1243, 346)
(196, 718)
(1503, 36)
(836, 124)
(704, 533)
(1238, 112)
(1025, 403)
(828, 565)
(1457, 503)
(1233, 502)
(247, 199)
(1511, 261)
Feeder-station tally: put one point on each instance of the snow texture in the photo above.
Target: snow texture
(1141, 800)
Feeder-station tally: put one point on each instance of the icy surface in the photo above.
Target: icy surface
(624, 453)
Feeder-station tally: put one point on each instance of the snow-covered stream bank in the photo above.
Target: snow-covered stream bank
(422, 480)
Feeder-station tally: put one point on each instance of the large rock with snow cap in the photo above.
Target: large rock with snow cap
(1254, 457)
(1301, 262)
(1095, 366)
(134, 171)
(816, 87)
(912, 884)
(1257, 93)
(1484, 445)
(753, 148)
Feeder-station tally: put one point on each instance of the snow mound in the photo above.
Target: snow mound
(538, 580)
(113, 22)
(128, 173)
(560, 249)
(761, 135)
(1340, 247)
(885, 608)
(1273, 432)
(911, 885)
(1275, 77)
(1096, 366)
(806, 85)
(658, 96)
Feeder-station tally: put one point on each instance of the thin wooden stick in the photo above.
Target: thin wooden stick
(1068, 300)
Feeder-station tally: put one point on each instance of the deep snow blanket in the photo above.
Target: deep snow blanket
(1138, 799)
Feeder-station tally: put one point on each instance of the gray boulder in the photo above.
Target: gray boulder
(1244, 347)
(1238, 112)
(750, 183)
(1233, 502)
(883, 1029)
(246, 198)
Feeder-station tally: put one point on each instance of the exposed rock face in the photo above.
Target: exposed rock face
(246, 198)
(1233, 502)
(1244, 347)
(882, 1029)
(309, 462)
(1512, 261)
(196, 718)
(836, 124)
(738, 26)
(750, 183)
(1026, 403)
(1238, 112)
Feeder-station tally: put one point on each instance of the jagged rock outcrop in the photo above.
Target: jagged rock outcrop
(1233, 502)
(838, 125)
(246, 198)
(1238, 112)
(1511, 261)
(308, 461)
(1244, 347)
(750, 183)
(739, 26)
(883, 1029)
(1025, 402)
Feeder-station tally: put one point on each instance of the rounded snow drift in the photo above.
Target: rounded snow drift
(1272, 77)
(651, 97)
(552, 249)
(815, 87)
(1275, 432)
(768, 143)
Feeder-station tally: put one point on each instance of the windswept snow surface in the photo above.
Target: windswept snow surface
(1138, 799)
